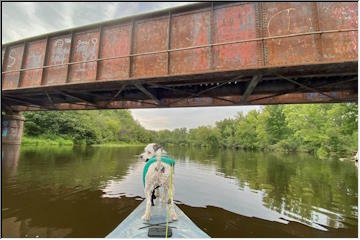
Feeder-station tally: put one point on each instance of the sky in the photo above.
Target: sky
(26, 19)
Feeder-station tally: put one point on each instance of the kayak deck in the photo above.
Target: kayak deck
(134, 227)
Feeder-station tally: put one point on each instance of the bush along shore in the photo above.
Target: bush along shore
(322, 129)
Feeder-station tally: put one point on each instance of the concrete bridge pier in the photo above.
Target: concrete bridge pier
(12, 126)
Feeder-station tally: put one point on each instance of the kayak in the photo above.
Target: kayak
(134, 227)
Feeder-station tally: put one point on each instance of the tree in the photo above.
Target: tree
(324, 129)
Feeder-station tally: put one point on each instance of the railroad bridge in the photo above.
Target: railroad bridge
(205, 54)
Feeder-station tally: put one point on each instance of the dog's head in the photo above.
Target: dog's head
(150, 151)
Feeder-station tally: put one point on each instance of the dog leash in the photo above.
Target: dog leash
(170, 197)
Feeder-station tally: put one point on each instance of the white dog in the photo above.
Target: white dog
(157, 175)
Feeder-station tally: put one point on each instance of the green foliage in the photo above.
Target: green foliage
(322, 129)
(204, 136)
(245, 130)
(86, 127)
(226, 129)
(42, 141)
(275, 124)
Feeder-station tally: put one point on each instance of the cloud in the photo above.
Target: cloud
(171, 118)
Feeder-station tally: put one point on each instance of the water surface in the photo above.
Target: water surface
(87, 192)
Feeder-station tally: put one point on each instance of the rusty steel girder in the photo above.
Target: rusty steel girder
(263, 99)
(189, 46)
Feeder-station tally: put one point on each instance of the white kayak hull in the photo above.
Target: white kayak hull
(134, 227)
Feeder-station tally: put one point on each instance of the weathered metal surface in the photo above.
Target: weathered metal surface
(339, 15)
(236, 100)
(12, 62)
(189, 30)
(289, 18)
(190, 46)
(85, 48)
(186, 47)
(151, 36)
(34, 58)
(233, 23)
(204, 101)
(115, 42)
(58, 53)
(310, 97)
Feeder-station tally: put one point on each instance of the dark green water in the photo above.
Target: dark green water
(87, 192)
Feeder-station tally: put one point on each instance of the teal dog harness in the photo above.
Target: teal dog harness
(164, 159)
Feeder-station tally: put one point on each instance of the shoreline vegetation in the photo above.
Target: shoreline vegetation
(325, 130)
(41, 141)
(47, 141)
(119, 144)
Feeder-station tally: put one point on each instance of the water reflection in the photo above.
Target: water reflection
(86, 192)
(297, 186)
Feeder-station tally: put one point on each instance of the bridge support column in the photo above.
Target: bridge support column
(12, 126)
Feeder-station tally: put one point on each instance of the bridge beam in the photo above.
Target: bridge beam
(11, 100)
(250, 88)
(147, 93)
(306, 87)
(12, 126)
(206, 101)
(76, 97)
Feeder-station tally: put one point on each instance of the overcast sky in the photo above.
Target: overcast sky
(26, 19)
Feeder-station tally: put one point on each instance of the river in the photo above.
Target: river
(88, 191)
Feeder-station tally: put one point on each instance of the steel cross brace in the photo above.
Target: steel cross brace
(204, 91)
(296, 91)
(250, 88)
(306, 87)
(147, 93)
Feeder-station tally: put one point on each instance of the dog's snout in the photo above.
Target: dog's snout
(142, 157)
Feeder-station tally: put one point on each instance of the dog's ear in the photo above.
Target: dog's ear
(156, 147)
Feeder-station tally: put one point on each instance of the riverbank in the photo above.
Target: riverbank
(59, 141)
(327, 131)
(42, 141)
(119, 144)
